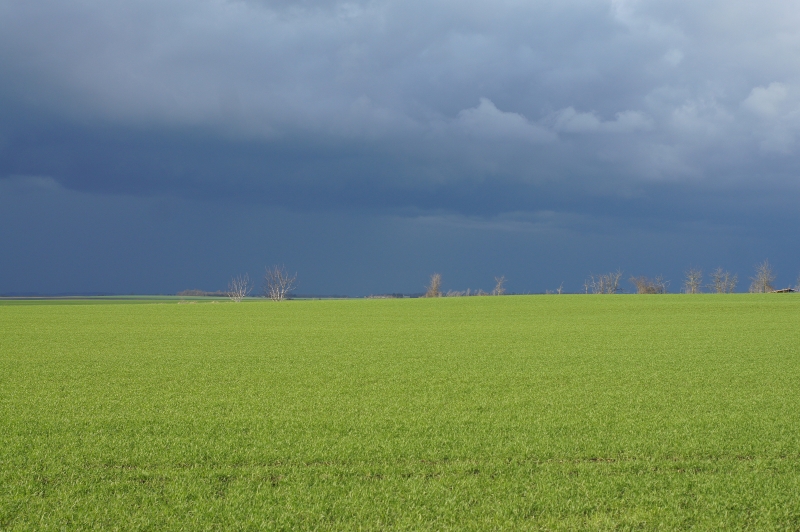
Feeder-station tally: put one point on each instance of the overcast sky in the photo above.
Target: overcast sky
(156, 146)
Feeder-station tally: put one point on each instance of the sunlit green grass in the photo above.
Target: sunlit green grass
(525, 412)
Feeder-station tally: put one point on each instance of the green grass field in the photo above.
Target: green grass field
(525, 412)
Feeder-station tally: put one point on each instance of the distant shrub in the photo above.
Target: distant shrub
(723, 282)
(762, 282)
(499, 289)
(434, 288)
(278, 283)
(693, 282)
(192, 293)
(645, 285)
(239, 288)
(603, 284)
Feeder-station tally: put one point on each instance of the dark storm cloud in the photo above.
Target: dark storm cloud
(590, 114)
(359, 100)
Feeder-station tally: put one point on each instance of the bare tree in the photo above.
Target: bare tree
(239, 287)
(278, 283)
(641, 284)
(645, 285)
(660, 284)
(559, 290)
(762, 282)
(434, 289)
(603, 284)
(723, 282)
(499, 289)
(693, 282)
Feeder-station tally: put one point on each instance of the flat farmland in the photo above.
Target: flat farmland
(522, 412)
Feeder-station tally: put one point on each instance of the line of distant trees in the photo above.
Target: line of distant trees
(434, 288)
(722, 282)
(278, 284)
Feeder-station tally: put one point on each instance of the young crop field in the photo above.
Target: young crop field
(524, 412)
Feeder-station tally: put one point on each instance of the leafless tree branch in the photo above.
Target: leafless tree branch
(693, 282)
(603, 284)
(762, 282)
(499, 289)
(434, 289)
(278, 283)
(723, 282)
(239, 288)
(645, 285)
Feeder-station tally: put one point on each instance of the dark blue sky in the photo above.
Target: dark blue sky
(156, 146)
